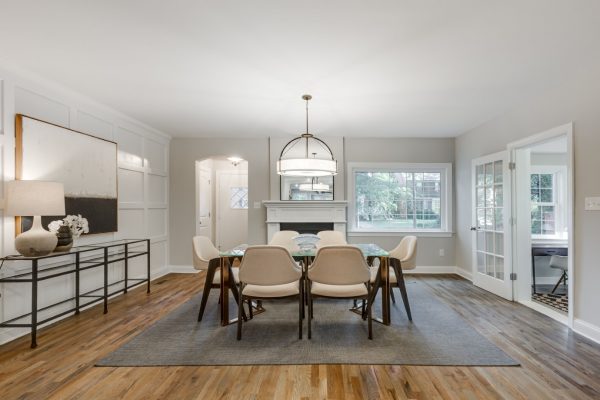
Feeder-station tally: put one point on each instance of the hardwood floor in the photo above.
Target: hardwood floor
(556, 364)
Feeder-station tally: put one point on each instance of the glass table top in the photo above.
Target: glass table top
(368, 250)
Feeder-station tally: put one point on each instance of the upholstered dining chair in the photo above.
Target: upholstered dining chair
(339, 272)
(206, 258)
(284, 238)
(561, 263)
(331, 238)
(403, 257)
(267, 273)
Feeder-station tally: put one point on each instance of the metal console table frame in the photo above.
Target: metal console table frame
(81, 258)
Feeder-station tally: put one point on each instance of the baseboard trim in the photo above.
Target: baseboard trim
(546, 310)
(586, 329)
(463, 273)
(441, 269)
(182, 269)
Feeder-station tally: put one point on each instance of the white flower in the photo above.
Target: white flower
(77, 224)
(55, 225)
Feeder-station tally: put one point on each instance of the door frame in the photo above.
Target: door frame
(218, 176)
(493, 286)
(554, 133)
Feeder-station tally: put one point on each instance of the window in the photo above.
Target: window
(543, 204)
(238, 197)
(399, 197)
(548, 202)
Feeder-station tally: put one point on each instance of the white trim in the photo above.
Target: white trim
(554, 133)
(586, 329)
(182, 269)
(434, 234)
(446, 206)
(441, 269)
(468, 275)
(546, 310)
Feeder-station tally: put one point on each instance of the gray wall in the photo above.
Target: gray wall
(264, 184)
(184, 153)
(576, 101)
(407, 150)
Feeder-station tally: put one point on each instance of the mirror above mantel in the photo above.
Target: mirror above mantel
(302, 188)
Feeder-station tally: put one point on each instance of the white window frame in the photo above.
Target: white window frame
(446, 192)
(559, 197)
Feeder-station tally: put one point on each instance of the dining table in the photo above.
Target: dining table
(370, 251)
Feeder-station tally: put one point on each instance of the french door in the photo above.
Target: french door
(490, 224)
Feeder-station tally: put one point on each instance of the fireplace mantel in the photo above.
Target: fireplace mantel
(305, 211)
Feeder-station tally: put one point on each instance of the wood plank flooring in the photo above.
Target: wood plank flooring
(556, 364)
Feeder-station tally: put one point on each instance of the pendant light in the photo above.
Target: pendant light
(306, 155)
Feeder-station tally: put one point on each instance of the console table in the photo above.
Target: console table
(73, 262)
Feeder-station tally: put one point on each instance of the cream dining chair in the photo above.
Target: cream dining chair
(206, 257)
(403, 257)
(331, 238)
(339, 272)
(267, 273)
(284, 238)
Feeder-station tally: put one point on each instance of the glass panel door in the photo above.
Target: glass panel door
(490, 217)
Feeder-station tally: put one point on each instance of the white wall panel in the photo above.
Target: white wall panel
(131, 147)
(87, 123)
(156, 156)
(131, 186)
(157, 189)
(131, 223)
(158, 256)
(41, 107)
(157, 222)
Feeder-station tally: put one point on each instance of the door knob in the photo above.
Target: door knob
(474, 228)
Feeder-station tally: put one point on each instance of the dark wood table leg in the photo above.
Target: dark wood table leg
(224, 292)
(385, 293)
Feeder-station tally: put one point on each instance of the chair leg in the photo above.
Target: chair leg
(250, 311)
(402, 286)
(310, 313)
(392, 294)
(239, 321)
(563, 276)
(370, 321)
(206, 291)
(300, 313)
(234, 290)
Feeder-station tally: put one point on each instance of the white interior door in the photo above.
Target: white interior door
(232, 209)
(491, 229)
(204, 206)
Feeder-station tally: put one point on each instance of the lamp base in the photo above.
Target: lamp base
(37, 241)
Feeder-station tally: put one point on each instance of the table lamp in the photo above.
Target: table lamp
(37, 199)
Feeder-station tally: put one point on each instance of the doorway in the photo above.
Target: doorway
(543, 222)
(222, 200)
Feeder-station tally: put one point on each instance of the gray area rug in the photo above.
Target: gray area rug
(437, 336)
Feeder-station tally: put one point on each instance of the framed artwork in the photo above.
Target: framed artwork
(85, 164)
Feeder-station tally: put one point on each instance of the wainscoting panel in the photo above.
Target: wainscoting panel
(131, 148)
(131, 186)
(41, 107)
(157, 189)
(131, 223)
(92, 125)
(156, 156)
(157, 222)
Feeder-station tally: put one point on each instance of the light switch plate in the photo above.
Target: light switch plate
(592, 203)
(257, 204)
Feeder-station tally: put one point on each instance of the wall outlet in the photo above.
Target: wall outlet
(442, 252)
(592, 203)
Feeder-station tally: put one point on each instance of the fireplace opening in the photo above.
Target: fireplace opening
(306, 227)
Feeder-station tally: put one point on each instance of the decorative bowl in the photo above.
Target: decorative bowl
(306, 241)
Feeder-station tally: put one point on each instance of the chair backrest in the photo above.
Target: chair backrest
(268, 265)
(560, 262)
(203, 251)
(339, 265)
(406, 252)
(284, 238)
(331, 238)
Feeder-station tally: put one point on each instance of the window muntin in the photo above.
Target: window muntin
(238, 197)
(543, 204)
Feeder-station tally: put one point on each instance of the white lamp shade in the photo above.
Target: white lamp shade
(32, 198)
(306, 167)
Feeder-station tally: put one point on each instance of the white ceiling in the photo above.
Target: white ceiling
(238, 68)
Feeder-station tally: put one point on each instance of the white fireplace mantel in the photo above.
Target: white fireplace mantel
(305, 211)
